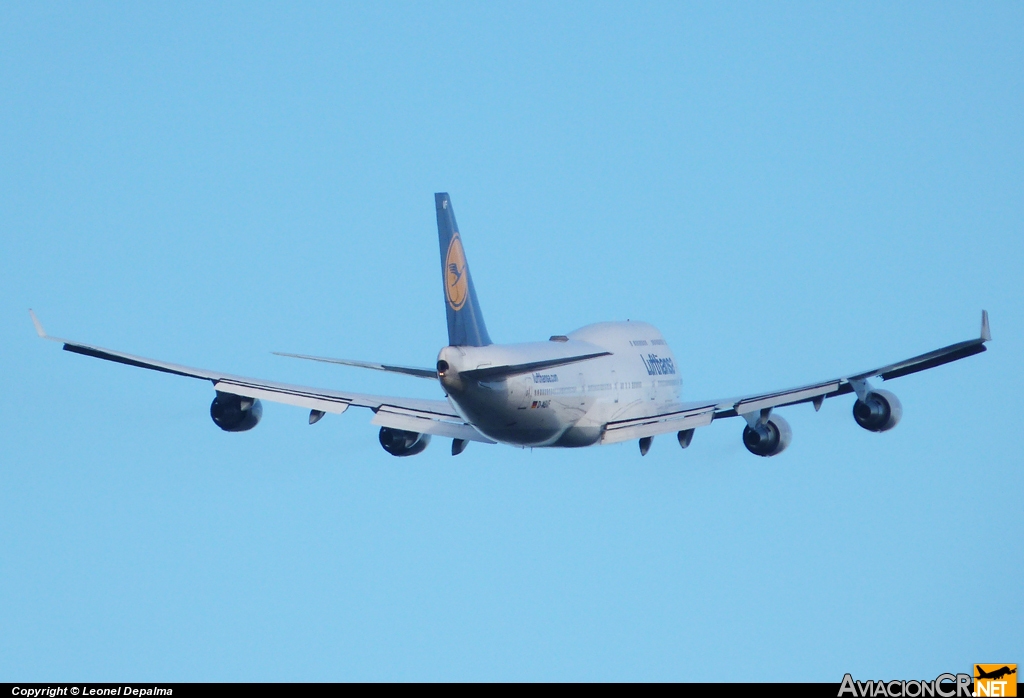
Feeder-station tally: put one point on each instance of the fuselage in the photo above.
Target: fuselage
(568, 405)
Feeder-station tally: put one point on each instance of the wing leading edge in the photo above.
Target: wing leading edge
(425, 416)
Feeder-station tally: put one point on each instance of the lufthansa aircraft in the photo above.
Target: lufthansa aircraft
(602, 384)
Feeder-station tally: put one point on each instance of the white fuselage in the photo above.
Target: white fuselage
(567, 405)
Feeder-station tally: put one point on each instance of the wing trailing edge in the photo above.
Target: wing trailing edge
(680, 419)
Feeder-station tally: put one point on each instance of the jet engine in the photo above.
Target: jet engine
(768, 439)
(880, 410)
(399, 442)
(234, 412)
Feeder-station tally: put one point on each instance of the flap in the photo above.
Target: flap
(424, 425)
(629, 429)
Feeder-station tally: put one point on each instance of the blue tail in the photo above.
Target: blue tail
(465, 321)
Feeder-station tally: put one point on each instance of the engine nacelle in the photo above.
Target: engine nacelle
(768, 439)
(234, 412)
(399, 442)
(879, 411)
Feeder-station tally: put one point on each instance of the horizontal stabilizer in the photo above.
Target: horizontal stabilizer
(406, 370)
(497, 372)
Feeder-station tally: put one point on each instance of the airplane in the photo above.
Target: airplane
(995, 674)
(604, 383)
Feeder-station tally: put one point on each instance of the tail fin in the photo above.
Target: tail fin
(465, 321)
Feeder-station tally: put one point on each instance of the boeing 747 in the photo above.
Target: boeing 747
(601, 384)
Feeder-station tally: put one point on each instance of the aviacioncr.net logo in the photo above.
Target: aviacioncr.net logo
(995, 680)
(456, 280)
(943, 686)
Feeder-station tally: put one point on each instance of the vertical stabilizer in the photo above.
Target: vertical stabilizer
(465, 321)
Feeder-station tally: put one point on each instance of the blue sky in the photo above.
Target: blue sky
(790, 192)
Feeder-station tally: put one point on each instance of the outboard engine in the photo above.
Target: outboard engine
(768, 439)
(880, 410)
(399, 442)
(234, 412)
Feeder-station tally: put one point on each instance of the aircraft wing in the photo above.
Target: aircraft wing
(678, 418)
(425, 416)
(691, 415)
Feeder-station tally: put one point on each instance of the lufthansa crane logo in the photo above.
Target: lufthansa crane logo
(456, 283)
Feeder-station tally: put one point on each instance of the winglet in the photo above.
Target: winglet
(986, 333)
(39, 327)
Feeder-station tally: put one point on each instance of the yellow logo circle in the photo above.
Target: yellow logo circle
(456, 282)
